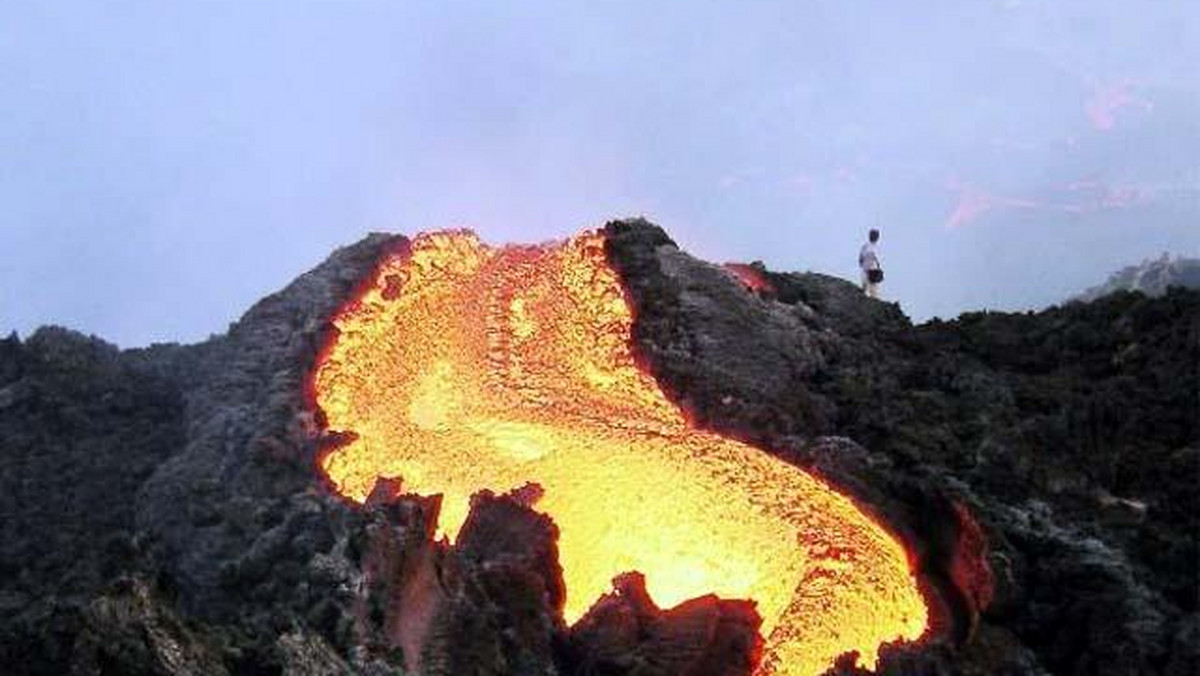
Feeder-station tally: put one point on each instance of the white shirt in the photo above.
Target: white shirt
(866, 257)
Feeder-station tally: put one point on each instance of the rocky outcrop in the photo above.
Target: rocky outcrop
(626, 633)
(163, 513)
(1152, 277)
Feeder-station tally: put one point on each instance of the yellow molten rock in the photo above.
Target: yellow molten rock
(465, 367)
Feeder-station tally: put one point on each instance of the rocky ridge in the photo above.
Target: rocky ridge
(163, 514)
(1152, 277)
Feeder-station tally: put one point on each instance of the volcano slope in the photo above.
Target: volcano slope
(165, 512)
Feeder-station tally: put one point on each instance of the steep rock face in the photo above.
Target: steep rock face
(1041, 467)
(691, 324)
(237, 501)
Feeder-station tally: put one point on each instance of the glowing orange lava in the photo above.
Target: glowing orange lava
(751, 277)
(465, 367)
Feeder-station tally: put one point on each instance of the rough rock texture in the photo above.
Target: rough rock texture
(163, 514)
(626, 633)
(504, 595)
(1068, 439)
(82, 426)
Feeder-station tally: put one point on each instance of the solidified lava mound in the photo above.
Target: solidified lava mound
(463, 368)
(168, 510)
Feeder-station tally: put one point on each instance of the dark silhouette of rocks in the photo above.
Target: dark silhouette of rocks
(625, 632)
(1152, 277)
(163, 514)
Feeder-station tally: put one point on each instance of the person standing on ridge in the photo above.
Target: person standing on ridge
(868, 262)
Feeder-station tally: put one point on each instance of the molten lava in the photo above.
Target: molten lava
(465, 367)
(751, 277)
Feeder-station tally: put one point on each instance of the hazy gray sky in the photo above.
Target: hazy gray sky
(166, 164)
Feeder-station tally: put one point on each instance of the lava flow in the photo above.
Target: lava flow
(465, 367)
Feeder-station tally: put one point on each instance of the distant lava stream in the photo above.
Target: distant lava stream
(464, 367)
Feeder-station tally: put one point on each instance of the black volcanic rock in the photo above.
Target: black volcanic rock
(729, 358)
(1070, 436)
(82, 427)
(163, 512)
(503, 595)
(625, 633)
